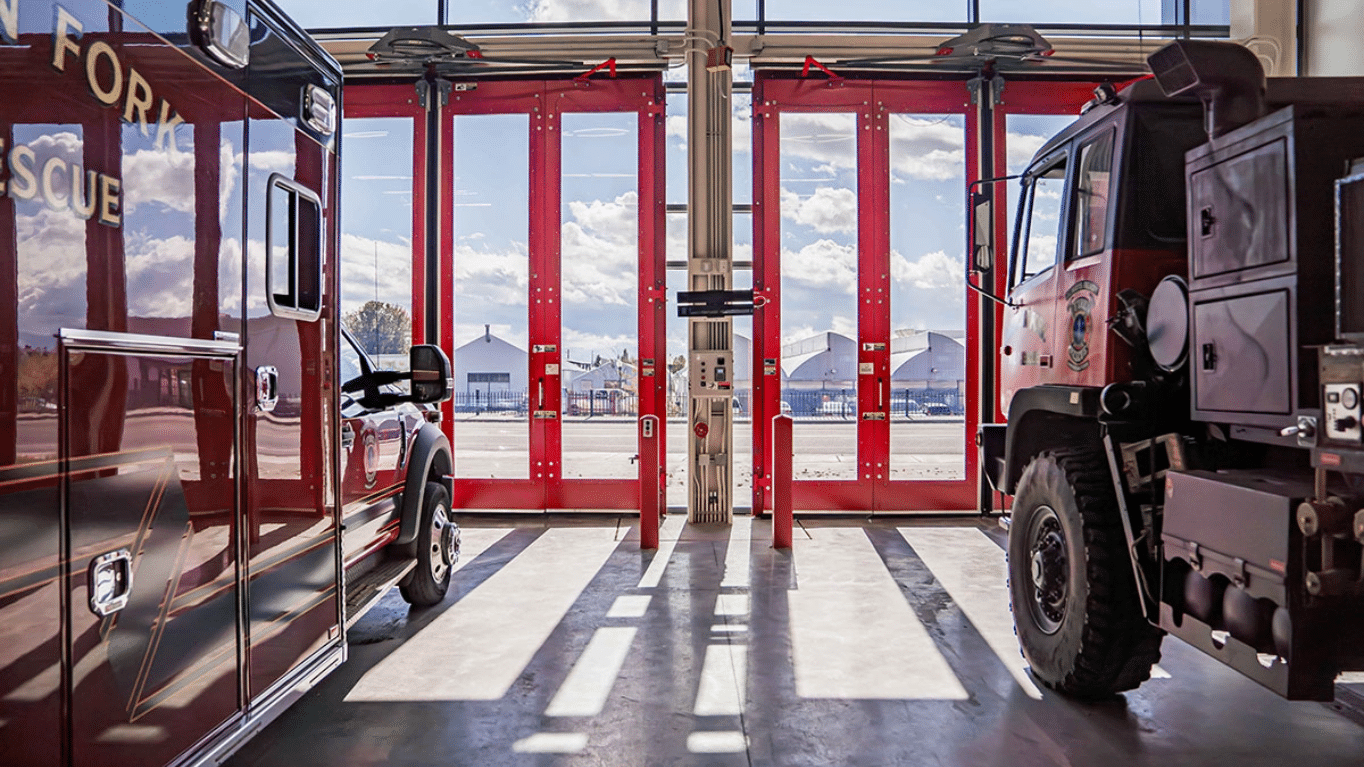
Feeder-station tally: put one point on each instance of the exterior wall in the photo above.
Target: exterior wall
(1332, 29)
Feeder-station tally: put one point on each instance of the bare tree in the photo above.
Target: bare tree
(382, 328)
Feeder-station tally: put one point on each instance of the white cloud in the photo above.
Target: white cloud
(932, 271)
(828, 139)
(361, 280)
(823, 263)
(827, 211)
(600, 247)
(598, 10)
(491, 278)
(1021, 148)
(927, 149)
(741, 126)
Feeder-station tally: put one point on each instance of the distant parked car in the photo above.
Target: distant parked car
(936, 408)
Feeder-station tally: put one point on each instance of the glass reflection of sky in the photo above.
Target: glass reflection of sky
(354, 13)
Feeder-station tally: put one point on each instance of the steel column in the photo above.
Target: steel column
(710, 264)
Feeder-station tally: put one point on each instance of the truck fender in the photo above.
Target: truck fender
(428, 461)
(1044, 417)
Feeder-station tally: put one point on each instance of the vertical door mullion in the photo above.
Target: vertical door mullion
(766, 379)
(873, 305)
(651, 374)
(544, 317)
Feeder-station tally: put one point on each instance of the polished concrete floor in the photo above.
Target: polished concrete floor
(873, 642)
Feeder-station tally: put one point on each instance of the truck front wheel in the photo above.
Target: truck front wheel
(1075, 603)
(437, 550)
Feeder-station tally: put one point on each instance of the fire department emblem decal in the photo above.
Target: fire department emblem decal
(1080, 301)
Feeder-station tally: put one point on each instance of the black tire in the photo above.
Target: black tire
(1076, 608)
(438, 541)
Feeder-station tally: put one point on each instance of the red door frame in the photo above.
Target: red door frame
(872, 100)
(545, 102)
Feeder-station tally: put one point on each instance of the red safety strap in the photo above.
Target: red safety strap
(608, 64)
(811, 62)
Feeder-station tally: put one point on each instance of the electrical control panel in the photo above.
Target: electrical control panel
(711, 374)
(1341, 368)
(1341, 401)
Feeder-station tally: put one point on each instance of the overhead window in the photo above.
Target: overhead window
(1091, 196)
(293, 229)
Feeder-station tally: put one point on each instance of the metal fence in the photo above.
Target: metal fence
(802, 404)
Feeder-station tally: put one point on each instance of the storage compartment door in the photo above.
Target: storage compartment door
(1240, 354)
(152, 504)
(1238, 211)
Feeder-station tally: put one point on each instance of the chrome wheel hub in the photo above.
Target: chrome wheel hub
(444, 543)
(1049, 568)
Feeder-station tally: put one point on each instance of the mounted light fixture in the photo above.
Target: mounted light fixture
(222, 33)
(422, 44)
(319, 109)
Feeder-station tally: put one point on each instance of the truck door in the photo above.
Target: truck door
(373, 456)
(1031, 339)
(292, 549)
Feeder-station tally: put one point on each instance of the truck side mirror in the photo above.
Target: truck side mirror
(982, 232)
(430, 370)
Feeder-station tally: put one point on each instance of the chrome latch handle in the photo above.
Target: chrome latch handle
(267, 388)
(110, 582)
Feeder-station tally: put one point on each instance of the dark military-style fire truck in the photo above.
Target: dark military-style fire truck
(182, 440)
(1181, 369)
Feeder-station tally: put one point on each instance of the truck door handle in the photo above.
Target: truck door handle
(347, 436)
(880, 394)
(109, 582)
(267, 388)
(541, 400)
(1209, 357)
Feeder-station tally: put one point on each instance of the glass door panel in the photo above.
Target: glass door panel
(819, 255)
(490, 200)
(599, 262)
(376, 237)
(927, 307)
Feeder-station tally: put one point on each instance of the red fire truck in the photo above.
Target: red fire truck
(172, 450)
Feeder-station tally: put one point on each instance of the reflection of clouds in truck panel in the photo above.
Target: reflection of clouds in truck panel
(229, 171)
(230, 276)
(166, 178)
(64, 144)
(51, 271)
(827, 211)
(160, 276)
